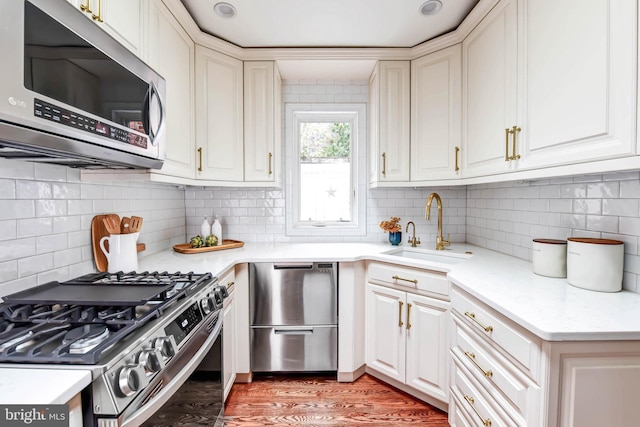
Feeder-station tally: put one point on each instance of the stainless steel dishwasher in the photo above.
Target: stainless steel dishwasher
(294, 316)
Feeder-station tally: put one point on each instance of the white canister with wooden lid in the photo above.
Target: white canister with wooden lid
(549, 257)
(595, 264)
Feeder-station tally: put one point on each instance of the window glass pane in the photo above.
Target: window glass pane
(325, 171)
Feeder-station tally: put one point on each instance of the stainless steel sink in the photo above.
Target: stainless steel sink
(441, 257)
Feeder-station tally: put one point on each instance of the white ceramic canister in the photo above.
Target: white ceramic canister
(595, 264)
(549, 257)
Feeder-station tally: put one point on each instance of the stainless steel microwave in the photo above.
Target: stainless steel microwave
(70, 94)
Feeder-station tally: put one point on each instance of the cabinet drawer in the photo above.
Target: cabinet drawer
(495, 373)
(517, 342)
(478, 406)
(408, 278)
(228, 279)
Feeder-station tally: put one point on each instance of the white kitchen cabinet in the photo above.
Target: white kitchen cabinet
(171, 54)
(580, 69)
(503, 373)
(546, 86)
(389, 118)
(122, 19)
(219, 116)
(407, 334)
(489, 98)
(262, 122)
(229, 368)
(436, 124)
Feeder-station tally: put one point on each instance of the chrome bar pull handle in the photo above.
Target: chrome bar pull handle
(472, 357)
(400, 304)
(470, 400)
(408, 316)
(472, 316)
(396, 277)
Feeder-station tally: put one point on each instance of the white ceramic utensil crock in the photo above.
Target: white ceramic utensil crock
(549, 257)
(122, 254)
(595, 264)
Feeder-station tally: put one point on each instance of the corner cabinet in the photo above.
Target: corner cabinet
(262, 122)
(121, 19)
(436, 102)
(219, 117)
(545, 85)
(406, 333)
(389, 105)
(171, 54)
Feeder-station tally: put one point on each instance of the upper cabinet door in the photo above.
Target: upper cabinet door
(389, 114)
(171, 53)
(122, 19)
(219, 122)
(489, 80)
(436, 102)
(580, 78)
(262, 121)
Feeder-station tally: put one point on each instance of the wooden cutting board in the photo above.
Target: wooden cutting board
(98, 231)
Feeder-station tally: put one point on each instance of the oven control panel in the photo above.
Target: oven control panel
(184, 323)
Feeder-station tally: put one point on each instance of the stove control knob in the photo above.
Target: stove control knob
(131, 378)
(150, 360)
(207, 305)
(166, 346)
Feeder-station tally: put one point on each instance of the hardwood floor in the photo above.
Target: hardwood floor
(299, 400)
(322, 401)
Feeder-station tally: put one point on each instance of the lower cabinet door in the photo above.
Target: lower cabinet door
(294, 348)
(386, 331)
(427, 357)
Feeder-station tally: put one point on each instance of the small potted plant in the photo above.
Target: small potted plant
(394, 228)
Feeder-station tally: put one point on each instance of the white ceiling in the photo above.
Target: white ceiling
(328, 23)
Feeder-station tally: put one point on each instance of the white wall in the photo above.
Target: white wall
(45, 220)
(507, 216)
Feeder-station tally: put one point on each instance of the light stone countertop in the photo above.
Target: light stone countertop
(550, 308)
(33, 386)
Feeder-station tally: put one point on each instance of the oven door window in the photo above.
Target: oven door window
(63, 66)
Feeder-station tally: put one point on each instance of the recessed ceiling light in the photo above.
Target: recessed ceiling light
(224, 9)
(430, 7)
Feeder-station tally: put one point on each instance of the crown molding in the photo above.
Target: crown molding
(327, 53)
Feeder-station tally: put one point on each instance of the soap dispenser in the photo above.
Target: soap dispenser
(216, 229)
(205, 228)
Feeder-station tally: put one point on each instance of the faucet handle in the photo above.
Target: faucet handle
(448, 241)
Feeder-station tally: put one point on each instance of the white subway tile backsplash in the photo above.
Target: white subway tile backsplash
(31, 227)
(14, 209)
(33, 190)
(48, 172)
(29, 266)
(7, 189)
(48, 207)
(51, 243)
(605, 206)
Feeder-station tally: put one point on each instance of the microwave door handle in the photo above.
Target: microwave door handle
(146, 119)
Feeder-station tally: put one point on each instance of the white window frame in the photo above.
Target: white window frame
(356, 114)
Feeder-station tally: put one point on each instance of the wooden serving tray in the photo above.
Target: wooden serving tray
(185, 248)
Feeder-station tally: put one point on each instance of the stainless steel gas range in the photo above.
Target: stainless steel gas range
(140, 334)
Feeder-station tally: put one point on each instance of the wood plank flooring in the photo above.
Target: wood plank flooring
(322, 401)
(298, 400)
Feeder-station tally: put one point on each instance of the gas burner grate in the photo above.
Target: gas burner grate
(46, 323)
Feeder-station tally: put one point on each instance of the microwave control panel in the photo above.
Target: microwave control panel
(63, 116)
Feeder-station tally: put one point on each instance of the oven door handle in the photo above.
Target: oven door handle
(144, 412)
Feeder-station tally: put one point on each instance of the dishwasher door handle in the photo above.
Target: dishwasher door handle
(294, 330)
(293, 266)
